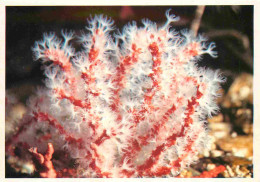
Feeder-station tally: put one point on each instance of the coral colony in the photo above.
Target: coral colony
(130, 105)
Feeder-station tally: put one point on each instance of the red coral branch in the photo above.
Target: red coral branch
(45, 166)
(20, 130)
(212, 173)
(58, 57)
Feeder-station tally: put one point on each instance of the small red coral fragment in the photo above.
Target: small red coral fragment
(212, 173)
(45, 166)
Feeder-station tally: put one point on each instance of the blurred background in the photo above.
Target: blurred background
(230, 27)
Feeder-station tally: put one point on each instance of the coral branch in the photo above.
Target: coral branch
(212, 173)
(45, 167)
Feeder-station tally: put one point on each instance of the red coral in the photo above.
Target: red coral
(43, 162)
(212, 173)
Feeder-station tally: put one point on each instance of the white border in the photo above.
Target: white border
(256, 4)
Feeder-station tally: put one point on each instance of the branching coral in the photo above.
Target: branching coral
(132, 105)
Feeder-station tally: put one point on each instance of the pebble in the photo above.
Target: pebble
(220, 130)
(13, 117)
(240, 146)
(21, 165)
(210, 166)
(185, 174)
(240, 92)
(237, 171)
(248, 128)
(217, 153)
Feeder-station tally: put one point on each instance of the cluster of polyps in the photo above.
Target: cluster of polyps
(132, 105)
